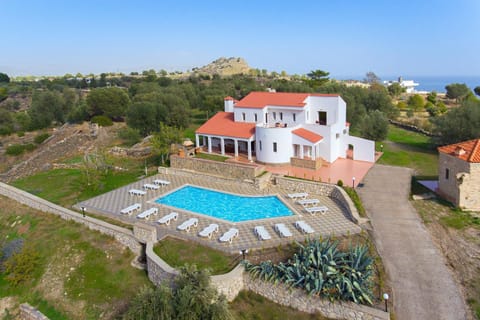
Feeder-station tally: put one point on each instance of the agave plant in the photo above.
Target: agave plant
(320, 268)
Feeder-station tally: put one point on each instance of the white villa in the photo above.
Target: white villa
(409, 85)
(284, 128)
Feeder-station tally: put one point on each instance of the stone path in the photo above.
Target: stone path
(423, 287)
(334, 222)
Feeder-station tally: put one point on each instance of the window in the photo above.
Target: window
(322, 117)
(294, 117)
(274, 116)
(256, 118)
(447, 174)
(308, 116)
(243, 116)
(344, 131)
(260, 145)
(281, 115)
(274, 147)
(338, 135)
(266, 117)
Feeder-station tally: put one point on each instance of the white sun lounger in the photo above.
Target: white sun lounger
(186, 225)
(300, 195)
(209, 231)
(130, 209)
(229, 235)
(283, 230)
(313, 210)
(169, 217)
(304, 227)
(161, 182)
(261, 233)
(136, 192)
(147, 213)
(308, 202)
(149, 186)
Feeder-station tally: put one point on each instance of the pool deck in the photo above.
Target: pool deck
(334, 222)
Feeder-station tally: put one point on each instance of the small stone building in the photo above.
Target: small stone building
(459, 174)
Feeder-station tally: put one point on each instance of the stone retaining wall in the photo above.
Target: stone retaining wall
(297, 299)
(324, 189)
(225, 169)
(122, 235)
(27, 312)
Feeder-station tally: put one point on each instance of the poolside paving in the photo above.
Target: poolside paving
(334, 222)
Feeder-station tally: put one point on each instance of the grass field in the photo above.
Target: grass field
(81, 274)
(68, 186)
(409, 149)
(177, 252)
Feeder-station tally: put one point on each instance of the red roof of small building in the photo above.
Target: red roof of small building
(308, 135)
(288, 99)
(228, 98)
(222, 124)
(467, 150)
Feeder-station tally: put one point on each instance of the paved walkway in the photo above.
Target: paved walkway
(423, 287)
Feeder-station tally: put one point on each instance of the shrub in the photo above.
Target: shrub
(102, 121)
(8, 250)
(340, 183)
(21, 265)
(41, 137)
(130, 136)
(15, 149)
(20, 133)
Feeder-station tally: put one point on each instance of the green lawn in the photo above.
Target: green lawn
(81, 274)
(178, 252)
(68, 186)
(409, 149)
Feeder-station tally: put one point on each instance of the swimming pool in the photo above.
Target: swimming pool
(226, 206)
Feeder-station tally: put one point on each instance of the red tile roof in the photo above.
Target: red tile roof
(262, 99)
(466, 150)
(308, 135)
(222, 124)
(228, 98)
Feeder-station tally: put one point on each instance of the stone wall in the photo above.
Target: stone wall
(158, 270)
(469, 188)
(225, 169)
(298, 299)
(306, 163)
(324, 189)
(144, 232)
(230, 284)
(27, 312)
(122, 235)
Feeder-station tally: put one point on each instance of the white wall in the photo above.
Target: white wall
(249, 115)
(363, 149)
(267, 136)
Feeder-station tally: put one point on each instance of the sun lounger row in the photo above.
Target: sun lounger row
(304, 227)
(161, 182)
(136, 192)
(228, 236)
(186, 225)
(130, 209)
(283, 230)
(208, 231)
(169, 217)
(300, 195)
(313, 210)
(308, 202)
(147, 213)
(149, 186)
(262, 233)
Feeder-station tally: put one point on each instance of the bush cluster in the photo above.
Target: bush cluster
(102, 121)
(18, 149)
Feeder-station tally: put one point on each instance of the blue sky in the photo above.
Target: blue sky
(344, 37)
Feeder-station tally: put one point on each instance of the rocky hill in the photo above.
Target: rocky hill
(224, 67)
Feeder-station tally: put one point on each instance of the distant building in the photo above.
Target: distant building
(409, 85)
(459, 174)
(284, 128)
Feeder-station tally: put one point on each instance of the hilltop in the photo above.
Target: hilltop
(224, 67)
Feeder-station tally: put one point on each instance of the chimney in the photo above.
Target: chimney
(229, 102)
(459, 151)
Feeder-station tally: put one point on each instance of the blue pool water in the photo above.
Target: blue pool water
(225, 206)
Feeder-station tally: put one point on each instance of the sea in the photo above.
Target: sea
(434, 83)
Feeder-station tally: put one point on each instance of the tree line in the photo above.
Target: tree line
(148, 102)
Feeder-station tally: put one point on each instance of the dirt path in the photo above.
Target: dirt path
(423, 287)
